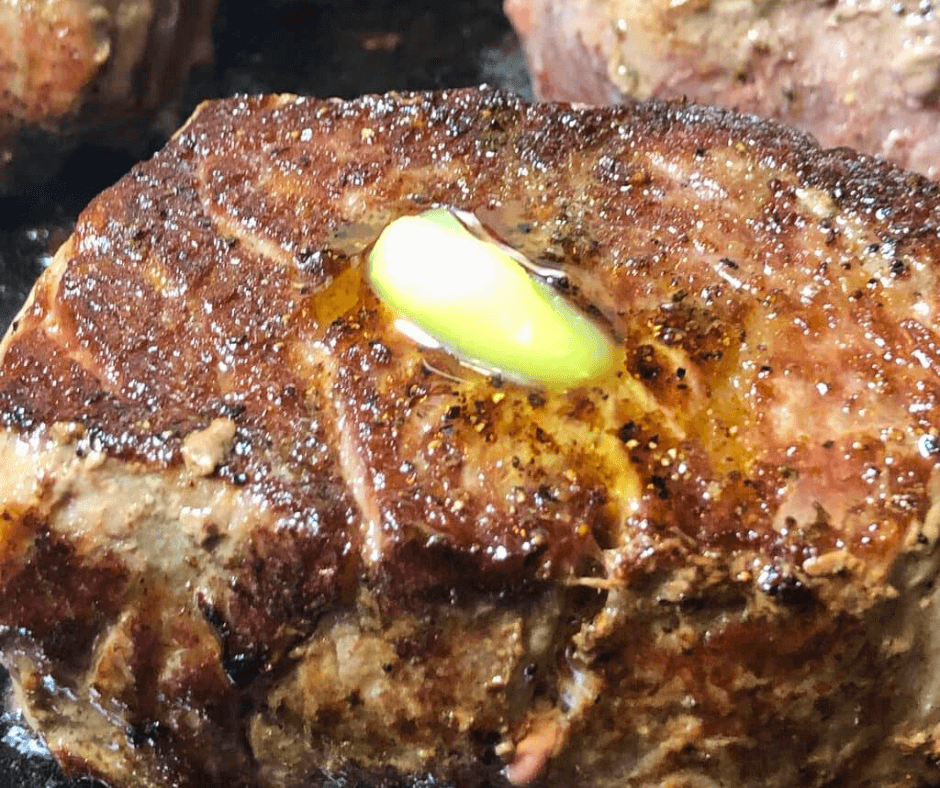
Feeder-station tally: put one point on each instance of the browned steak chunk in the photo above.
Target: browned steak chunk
(73, 70)
(251, 535)
(861, 73)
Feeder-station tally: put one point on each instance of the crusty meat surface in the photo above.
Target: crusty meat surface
(72, 70)
(251, 535)
(860, 73)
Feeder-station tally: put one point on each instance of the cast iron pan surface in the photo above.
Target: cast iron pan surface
(346, 48)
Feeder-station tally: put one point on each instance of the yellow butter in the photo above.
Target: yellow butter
(480, 303)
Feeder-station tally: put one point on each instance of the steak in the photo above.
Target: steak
(253, 535)
(74, 70)
(861, 74)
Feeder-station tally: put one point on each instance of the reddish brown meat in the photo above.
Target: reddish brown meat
(250, 535)
(79, 69)
(861, 73)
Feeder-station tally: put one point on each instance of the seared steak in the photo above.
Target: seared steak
(865, 74)
(73, 69)
(251, 535)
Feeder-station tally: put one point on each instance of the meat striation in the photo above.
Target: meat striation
(253, 536)
(861, 73)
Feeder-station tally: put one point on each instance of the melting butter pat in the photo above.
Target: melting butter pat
(474, 298)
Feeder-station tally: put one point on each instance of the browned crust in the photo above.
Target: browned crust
(196, 290)
(169, 211)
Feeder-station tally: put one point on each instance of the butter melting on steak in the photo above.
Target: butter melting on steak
(251, 535)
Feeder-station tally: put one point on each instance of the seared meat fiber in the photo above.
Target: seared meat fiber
(252, 535)
(70, 69)
(861, 73)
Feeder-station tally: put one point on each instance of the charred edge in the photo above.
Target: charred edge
(243, 664)
(144, 733)
(18, 417)
(63, 601)
(785, 588)
(434, 574)
(176, 759)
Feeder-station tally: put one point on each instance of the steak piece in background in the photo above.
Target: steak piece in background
(89, 70)
(250, 535)
(861, 74)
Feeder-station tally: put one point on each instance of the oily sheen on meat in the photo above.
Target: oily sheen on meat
(252, 535)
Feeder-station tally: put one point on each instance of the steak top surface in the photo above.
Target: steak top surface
(225, 459)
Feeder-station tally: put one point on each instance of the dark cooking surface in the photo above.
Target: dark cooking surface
(317, 47)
